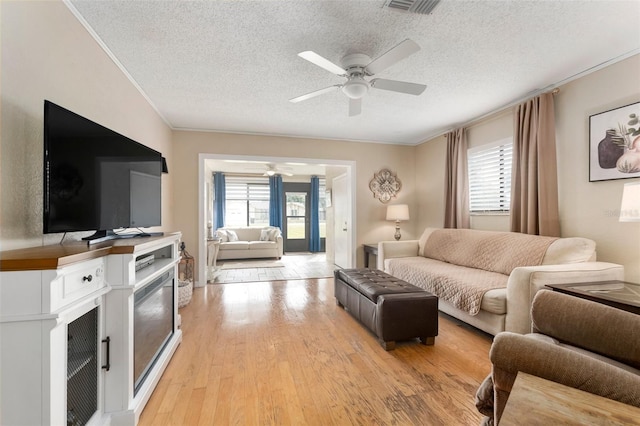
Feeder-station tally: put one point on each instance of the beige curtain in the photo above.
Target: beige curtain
(456, 211)
(534, 181)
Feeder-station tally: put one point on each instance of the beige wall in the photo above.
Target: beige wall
(371, 225)
(430, 178)
(48, 54)
(591, 209)
(588, 209)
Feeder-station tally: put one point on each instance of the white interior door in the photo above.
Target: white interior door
(342, 221)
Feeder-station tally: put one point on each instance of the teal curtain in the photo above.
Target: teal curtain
(276, 195)
(220, 198)
(314, 216)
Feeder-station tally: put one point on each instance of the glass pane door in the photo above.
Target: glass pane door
(296, 221)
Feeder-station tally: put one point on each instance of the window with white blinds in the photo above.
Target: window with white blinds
(247, 201)
(489, 168)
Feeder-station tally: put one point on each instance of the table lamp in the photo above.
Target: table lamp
(398, 212)
(630, 205)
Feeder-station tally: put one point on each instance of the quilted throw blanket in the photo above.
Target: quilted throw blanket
(461, 265)
(487, 250)
(461, 286)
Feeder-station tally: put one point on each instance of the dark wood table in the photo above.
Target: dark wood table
(369, 249)
(619, 294)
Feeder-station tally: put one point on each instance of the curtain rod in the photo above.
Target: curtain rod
(504, 109)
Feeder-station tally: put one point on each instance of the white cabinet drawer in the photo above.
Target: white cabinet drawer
(89, 278)
(77, 281)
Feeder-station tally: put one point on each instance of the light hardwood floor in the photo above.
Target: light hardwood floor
(296, 266)
(283, 353)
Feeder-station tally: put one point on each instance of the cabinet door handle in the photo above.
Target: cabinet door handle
(108, 342)
(87, 278)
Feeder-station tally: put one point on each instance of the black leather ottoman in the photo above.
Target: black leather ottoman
(391, 308)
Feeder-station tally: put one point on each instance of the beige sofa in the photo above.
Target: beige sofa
(575, 342)
(249, 243)
(488, 279)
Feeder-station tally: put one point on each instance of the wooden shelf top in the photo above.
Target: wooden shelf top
(56, 256)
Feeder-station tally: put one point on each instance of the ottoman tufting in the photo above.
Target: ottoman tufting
(391, 308)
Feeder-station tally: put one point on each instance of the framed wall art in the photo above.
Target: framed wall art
(614, 144)
(385, 185)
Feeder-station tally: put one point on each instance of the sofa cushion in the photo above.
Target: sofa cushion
(460, 286)
(235, 245)
(499, 252)
(495, 301)
(257, 245)
(248, 234)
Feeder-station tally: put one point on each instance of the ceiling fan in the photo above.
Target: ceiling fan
(273, 169)
(357, 66)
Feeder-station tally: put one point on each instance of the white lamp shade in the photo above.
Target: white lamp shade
(398, 212)
(630, 206)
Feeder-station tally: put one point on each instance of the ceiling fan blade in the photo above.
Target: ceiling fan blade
(318, 60)
(355, 107)
(405, 48)
(276, 172)
(398, 86)
(316, 93)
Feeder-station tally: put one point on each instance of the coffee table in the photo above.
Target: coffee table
(619, 294)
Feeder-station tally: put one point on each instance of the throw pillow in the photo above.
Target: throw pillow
(265, 234)
(274, 233)
(232, 235)
(222, 235)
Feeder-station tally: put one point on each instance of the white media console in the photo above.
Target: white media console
(69, 315)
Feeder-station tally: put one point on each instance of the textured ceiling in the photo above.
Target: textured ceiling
(232, 65)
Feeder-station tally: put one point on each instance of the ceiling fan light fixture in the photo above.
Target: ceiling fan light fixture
(355, 88)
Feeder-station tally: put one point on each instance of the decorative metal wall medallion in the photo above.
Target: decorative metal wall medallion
(385, 185)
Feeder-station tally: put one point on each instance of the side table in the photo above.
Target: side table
(534, 400)
(213, 246)
(369, 249)
(619, 294)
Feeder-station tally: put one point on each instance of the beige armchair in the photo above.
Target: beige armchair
(575, 342)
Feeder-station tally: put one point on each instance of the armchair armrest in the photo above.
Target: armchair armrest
(512, 352)
(598, 328)
(524, 282)
(391, 249)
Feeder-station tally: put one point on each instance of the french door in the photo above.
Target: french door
(296, 216)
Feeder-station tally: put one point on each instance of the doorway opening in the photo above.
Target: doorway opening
(333, 168)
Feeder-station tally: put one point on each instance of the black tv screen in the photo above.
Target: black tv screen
(95, 178)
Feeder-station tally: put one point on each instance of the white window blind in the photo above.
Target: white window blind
(489, 168)
(247, 201)
(246, 188)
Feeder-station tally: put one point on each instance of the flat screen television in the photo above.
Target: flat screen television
(97, 179)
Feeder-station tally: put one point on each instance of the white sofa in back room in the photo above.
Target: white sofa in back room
(249, 243)
(488, 279)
